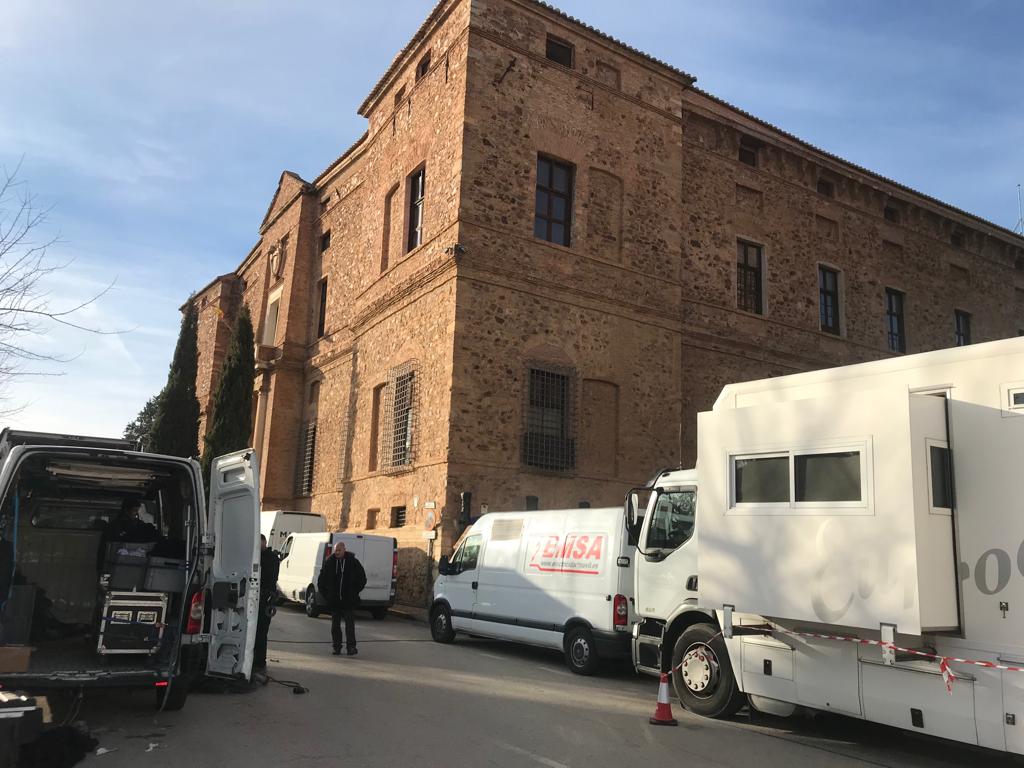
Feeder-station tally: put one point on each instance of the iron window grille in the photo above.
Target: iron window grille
(553, 207)
(400, 416)
(828, 299)
(749, 275)
(417, 185)
(398, 517)
(307, 459)
(894, 320)
(963, 328)
(548, 442)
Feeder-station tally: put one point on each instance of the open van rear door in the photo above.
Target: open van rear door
(234, 581)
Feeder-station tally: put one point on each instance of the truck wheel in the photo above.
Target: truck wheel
(379, 613)
(312, 609)
(580, 652)
(175, 700)
(702, 674)
(441, 624)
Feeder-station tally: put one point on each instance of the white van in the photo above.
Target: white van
(304, 553)
(558, 579)
(277, 525)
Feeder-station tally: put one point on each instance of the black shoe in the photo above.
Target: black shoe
(352, 651)
(336, 652)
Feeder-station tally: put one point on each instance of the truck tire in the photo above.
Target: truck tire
(441, 624)
(705, 683)
(312, 609)
(379, 613)
(172, 698)
(580, 651)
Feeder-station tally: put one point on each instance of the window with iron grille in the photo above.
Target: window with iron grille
(417, 184)
(749, 276)
(307, 459)
(398, 437)
(548, 442)
(963, 328)
(894, 320)
(553, 209)
(828, 299)
(321, 322)
(398, 516)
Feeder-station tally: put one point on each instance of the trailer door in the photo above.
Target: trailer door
(234, 582)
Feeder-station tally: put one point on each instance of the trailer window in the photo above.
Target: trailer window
(941, 477)
(761, 480)
(673, 520)
(827, 476)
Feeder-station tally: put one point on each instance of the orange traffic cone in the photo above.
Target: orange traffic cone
(663, 712)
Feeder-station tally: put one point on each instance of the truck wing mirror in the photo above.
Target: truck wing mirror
(442, 566)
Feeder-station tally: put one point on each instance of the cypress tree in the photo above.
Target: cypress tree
(140, 427)
(231, 424)
(175, 429)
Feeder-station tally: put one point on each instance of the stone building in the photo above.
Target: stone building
(546, 254)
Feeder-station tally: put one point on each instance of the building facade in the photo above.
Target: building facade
(547, 253)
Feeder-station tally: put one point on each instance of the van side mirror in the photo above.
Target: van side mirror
(633, 520)
(443, 567)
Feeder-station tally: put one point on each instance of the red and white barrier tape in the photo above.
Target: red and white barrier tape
(948, 676)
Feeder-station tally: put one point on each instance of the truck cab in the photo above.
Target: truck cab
(116, 571)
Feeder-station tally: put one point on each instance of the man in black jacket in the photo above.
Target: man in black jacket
(341, 580)
(270, 568)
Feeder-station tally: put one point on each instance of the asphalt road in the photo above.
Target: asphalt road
(406, 701)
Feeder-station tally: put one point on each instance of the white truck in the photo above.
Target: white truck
(859, 548)
(278, 524)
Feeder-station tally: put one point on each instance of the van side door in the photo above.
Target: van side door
(462, 582)
(234, 578)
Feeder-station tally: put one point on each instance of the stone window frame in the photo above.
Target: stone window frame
(535, 454)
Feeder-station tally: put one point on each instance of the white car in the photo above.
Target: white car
(304, 554)
(559, 579)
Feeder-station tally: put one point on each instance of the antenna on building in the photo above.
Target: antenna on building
(1019, 229)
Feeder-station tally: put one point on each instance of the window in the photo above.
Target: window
(957, 239)
(378, 393)
(416, 184)
(748, 151)
(672, 520)
(423, 68)
(389, 214)
(468, 554)
(307, 459)
(892, 214)
(402, 421)
(553, 212)
(828, 299)
(532, 503)
(749, 276)
(963, 327)
(559, 51)
(1016, 397)
(827, 476)
(398, 517)
(325, 241)
(762, 480)
(894, 320)
(371, 518)
(546, 440)
(321, 322)
(399, 95)
(270, 324)
(941, 472)
(826, 188)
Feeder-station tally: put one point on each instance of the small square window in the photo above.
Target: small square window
(399, 95)
(398, 517)
(957, 239)
(1017, 399)
(826, 188)
(423, 68)
(325, 241)
(559, 51)
(371, 518)
(748, 151)
(892, 214)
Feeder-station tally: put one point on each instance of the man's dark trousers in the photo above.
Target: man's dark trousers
(259, 653)
(349, 615)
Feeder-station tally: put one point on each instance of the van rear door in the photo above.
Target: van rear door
(378, 556)
(234, 581)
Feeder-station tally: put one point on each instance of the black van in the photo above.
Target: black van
(116, 571)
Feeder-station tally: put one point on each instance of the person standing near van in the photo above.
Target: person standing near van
(341, 580)
(270, 568)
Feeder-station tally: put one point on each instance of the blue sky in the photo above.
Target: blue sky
(158, 131)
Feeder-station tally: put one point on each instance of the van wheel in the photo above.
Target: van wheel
(580, 653)
(312, 609)
(702, 674)
(379, 613)
(441, 624)
(175, 700)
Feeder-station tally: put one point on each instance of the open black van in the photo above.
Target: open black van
(116, 571)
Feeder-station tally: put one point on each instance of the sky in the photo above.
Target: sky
(155, 133)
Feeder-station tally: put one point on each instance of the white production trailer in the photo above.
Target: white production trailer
(859, 548)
